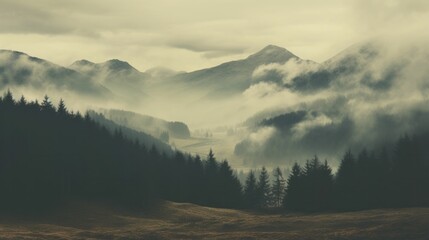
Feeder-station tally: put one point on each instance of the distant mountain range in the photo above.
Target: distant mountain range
(232, 77)
(116, 78)
(119, 76)
(322, 107)
(17, 69)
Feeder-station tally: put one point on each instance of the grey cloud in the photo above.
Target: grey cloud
(373, 93)
(209, 48)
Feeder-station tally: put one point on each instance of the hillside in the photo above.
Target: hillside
(147, 124)
(83, 220)
(131, 134)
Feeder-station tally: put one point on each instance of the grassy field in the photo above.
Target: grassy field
(188, 221)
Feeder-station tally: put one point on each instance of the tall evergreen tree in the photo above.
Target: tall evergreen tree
(278, 187)
(22, 101)
(346, 182)
(251, 191)
(8, 99)
(46, 105)
(293, 192)
(264, 189)
(62, 110)
(230, 195)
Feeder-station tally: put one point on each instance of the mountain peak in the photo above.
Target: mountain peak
(271, 48)
(118, 65)
(83, 62)
(273, 52)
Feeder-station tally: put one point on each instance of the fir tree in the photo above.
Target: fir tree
(278, 187)
(62, 110)
(46, 105)
(264, 189)
(293, 192)
(251, 191)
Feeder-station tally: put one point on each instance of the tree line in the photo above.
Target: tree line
(49, 154)
(371, 179)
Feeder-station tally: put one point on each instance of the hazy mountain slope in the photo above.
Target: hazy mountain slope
(21, 70)
(354, 100)
(161, 73)
(148, 124)
(364, 64)
(141, 137)
(232, 77)
(119, 76)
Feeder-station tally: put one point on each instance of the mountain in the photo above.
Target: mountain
(18, 69)
(119, 76)
(232, 77)
(365, 96)
(151, 125)
(354, 66)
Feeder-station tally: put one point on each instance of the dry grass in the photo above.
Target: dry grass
(188, 221)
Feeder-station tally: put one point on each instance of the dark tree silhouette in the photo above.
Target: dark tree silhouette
(61, 109)
(346, 182)
(47, 105)
(293, 193)
(250, 191)
(312, 187)
(48, 156)
(278, 187)
(264, 189)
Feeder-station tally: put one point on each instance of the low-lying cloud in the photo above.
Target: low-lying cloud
(372, 94)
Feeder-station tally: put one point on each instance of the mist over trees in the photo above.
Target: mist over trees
(49, 154)
(372, 179)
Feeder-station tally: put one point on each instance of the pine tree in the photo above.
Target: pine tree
(230, 195)
(278, 187)
(251, 191)
(62, 110)
(346, 182)
(46, 105)
(293, 192)
(211, 163)
(22, 102)
(8, 99)
(325, 183)
(264, 189)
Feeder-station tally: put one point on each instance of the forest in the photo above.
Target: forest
(49, 154)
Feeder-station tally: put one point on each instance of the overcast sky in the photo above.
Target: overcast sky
(192, 34)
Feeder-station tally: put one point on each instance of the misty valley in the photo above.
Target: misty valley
(270, 146)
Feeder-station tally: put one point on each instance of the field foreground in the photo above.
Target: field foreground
(188, 221)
